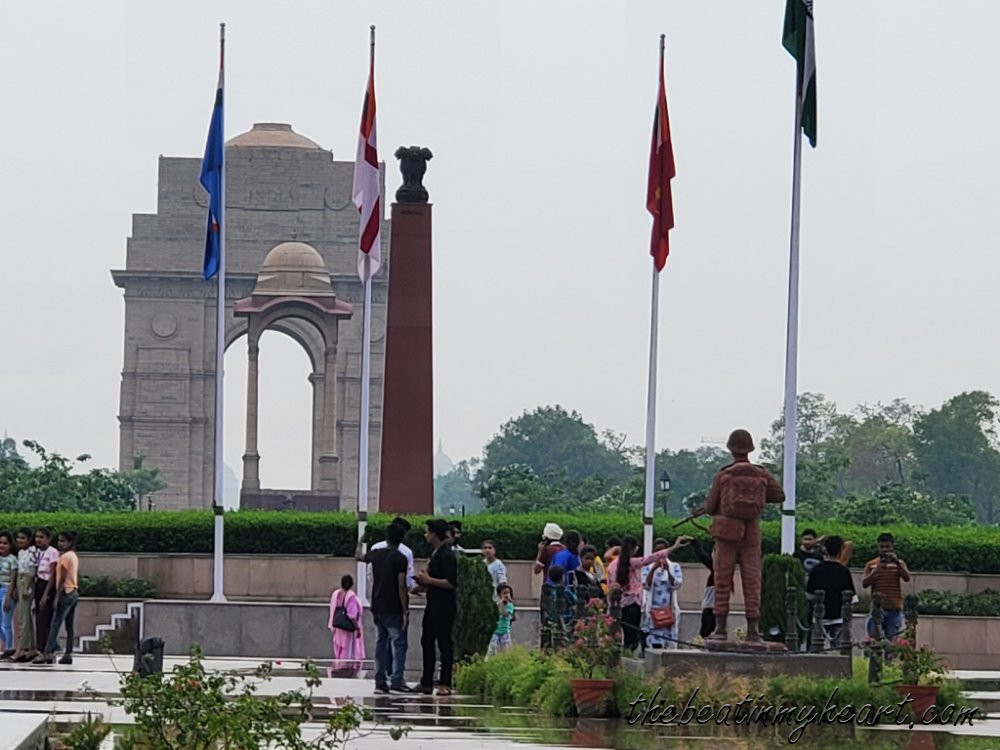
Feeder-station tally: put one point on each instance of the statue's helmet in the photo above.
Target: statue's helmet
(740, 442)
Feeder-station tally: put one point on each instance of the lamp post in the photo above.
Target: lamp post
(665, 487)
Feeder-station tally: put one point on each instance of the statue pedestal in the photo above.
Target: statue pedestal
(748, 647)
(741, 661)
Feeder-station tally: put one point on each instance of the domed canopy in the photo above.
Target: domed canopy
(272, 135)
(293, 269)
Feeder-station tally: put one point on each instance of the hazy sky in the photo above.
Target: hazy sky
(539, 117)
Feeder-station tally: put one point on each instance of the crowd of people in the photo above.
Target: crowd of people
(825, 562)
(394, 581)
(572, 569)
(38, 595)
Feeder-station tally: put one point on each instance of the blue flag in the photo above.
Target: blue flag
(211, 180)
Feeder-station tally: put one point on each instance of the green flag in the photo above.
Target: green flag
(799, 39)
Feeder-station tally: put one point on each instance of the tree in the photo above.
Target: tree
(819, 457)
(518, 489)
(956, 447)
(145, 481)
(879, 446)
(558, 446)
(893, 503)
(690, 471)
(457, 489)
(54, 485)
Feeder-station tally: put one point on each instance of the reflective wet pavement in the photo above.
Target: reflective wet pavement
(67, 693)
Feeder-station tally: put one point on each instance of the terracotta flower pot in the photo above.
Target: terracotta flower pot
(591, 696)
(924, 696)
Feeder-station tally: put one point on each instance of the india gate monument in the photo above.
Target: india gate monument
(291, 266)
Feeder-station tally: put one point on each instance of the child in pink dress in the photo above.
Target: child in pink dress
(348, 644)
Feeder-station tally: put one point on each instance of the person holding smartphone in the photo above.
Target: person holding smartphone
(884, 575)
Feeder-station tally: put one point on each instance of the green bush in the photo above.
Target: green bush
(981, 604)
(470, 676)
(124, 588)
(554, 696)
(501, 670)
(970, 549)
(476, 616)
(778, 572)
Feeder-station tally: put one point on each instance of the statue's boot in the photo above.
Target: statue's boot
(753, 634)
(720, 633)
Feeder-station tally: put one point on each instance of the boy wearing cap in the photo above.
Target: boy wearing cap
(737, 498)
(548, 548)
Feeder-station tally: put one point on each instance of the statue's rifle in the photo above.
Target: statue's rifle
(697, 513)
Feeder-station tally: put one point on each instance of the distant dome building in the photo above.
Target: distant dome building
(442, 464)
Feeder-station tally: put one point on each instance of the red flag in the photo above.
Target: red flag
(366, 182)
(659, 200)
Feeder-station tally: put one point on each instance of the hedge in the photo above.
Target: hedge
(966, 549)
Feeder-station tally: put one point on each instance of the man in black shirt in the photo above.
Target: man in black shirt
(831, 579)
(809, 557)
(390, 608)
(440, 580)
(807, 553)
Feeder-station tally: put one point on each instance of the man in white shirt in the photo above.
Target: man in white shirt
(407, 553)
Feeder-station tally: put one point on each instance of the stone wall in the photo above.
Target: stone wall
(314, 577)
(290, 630)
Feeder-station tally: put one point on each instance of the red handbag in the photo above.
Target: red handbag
(662, 617)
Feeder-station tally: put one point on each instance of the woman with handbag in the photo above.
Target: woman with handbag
(345, 625)
(660, 581)
(625, 573)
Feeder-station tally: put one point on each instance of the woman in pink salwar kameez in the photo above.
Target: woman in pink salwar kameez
(348, 644)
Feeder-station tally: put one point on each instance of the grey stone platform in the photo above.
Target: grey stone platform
(268, 630)
(23, 731)
(761, 664)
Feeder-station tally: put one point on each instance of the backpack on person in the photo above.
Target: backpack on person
(743, 492)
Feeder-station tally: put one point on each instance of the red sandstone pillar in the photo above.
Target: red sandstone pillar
(406, 484)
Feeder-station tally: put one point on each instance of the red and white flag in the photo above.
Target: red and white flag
(659, 200)
(366, 185)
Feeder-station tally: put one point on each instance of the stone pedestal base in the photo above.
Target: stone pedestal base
(749, 647)
(740, 661)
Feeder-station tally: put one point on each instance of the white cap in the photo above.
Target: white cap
(552, 532)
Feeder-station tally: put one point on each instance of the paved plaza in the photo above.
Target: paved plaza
(61, 694)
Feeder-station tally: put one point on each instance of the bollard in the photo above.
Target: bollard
(910, 612)
(791, 619)
(545, 613)
(558, 621)
(877, 644)
(817, 640)
(615, 610)
(847, 633)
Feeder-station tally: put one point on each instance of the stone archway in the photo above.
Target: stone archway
(279, 185)
(293, 293)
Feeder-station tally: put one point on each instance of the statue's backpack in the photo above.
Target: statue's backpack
(743, 492)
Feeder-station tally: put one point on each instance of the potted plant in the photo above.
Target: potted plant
(593, 653)
(922, 670)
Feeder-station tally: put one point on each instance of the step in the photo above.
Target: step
(123, 630)
(24, 732)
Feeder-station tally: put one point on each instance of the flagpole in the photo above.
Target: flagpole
(654, 313)
(647, 533)
(220, 354)
(362, 568)
(792, 342)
